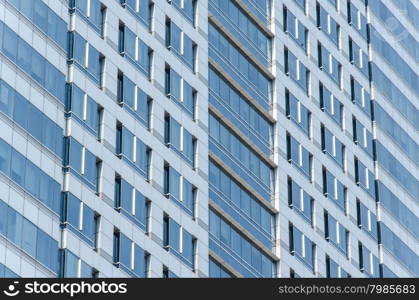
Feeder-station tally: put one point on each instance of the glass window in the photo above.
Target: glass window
(214, 174)
(235, 147)
(145, 10)
(127, 144)
(175, 82)
(174, 235)
(29, 236)
(214, 223)
(246, 250)
(139, 261)
(141, 207)
(188, 145)
(32, 179)
(130, 41)
(24, 53)
(214, 128)
(94, 63)
(73, 210)
(71, 265)
(188, 97)
(38, 67)
(175, 37)
(5, 157)
(14, 227)
(187, 246)
(92, 114)
(46, 190)
(17, 172)
(7, 98)
(142, 159)
(256, 259)
(126, 196)
(82, 6)
(144, 56)
(90, 167)
(47, 250)
(175, 129)
(125, 246)
(79, 49)
(86, 271)
(75, 155)
(77, 101)
(236, 242)
(57, 29)
(245, 202)
(224, 137)
(10, 41)
(89, 224)
(96, 13)
(128, 91)
(188, 194)
(143, 105)
(26, 7)
(34, 116)
(40, 14)
(20, 111)
(225, 184)
(3, 218)
(174, 184)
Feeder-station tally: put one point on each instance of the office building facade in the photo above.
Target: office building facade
(209, 138)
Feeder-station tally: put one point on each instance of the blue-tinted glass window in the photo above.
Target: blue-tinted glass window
(90, 171)
(332, 146)
(246, 72)
(173, 89)
(327, 24)
(329, 104)
(71, 262)
(45, 19)
(10, 41)
(125, 250)
(174, 183)
(135, 49)
(295, 29)
(301, 246)
(5, 157)
(137, 101)
(241, 254)
(75, 155)
(26, 236)
(300, 200)
(141, 207)
(141, 9)
(187, 8)
(7, 99)
(248, 159)
(180, 43)
(368, 262)
(32, 179)
(298, 113)
(299, 156)
(129, 46)
(91, 10)
(29, 236)
(38, 183)
(296, 70)
(86, 56)
(14, 226)
(17, 168)
(24, 53)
